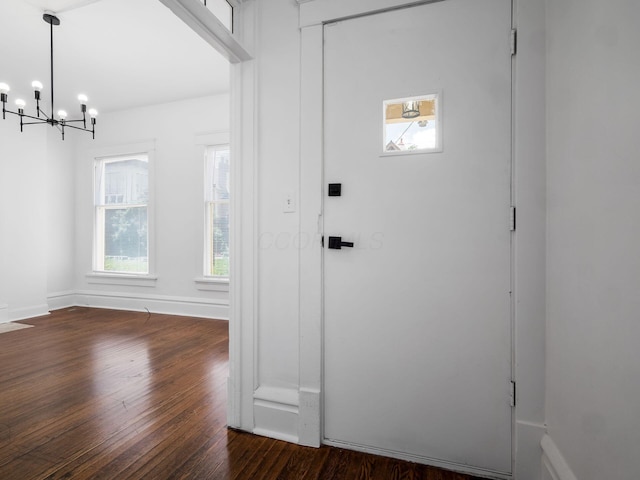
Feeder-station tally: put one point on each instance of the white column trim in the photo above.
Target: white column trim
(310, 257)
(243, 285)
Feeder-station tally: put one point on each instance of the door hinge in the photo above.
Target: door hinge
(512, 219)
(514, 41)
(322, 241)
(512, 394)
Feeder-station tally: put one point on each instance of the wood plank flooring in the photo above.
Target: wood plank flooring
(103, 394)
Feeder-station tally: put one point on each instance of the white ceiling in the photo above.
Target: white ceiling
(120, 53)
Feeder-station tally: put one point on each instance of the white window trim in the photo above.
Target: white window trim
(126, 279)
(203, 141)
(212, 139)
(116, 278)
(212, 284)
(437, 97)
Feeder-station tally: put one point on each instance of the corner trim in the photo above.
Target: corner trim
(554, 462)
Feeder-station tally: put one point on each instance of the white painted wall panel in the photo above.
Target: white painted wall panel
(60, 211)
(279, 170)
(23, 209)
(593, 359)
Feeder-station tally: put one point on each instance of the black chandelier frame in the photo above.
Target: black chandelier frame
(42, 118)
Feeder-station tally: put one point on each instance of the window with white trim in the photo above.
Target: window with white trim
(216, 198)
(121, 214)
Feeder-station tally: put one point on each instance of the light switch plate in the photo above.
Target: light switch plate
(289, 204)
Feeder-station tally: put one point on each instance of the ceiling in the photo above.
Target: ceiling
(120, 53)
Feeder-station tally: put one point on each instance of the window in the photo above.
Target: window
(216, 198)
(121, 196)
(412, 125)
(223, 10)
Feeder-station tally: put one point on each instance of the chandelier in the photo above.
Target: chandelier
(61, 122)
(411, 109)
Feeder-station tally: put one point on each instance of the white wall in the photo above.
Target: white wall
(24, 211)
(60, 214)
(178, 204)
(593, 359)
(279, 157)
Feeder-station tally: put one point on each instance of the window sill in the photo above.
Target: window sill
(401, 153)
(212, 284)
(126, 279)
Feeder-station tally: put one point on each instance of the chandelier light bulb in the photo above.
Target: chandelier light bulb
(20, 103)
(37, 86)
(93, 113)
(83, 98)
(4, 88)
(62, 114)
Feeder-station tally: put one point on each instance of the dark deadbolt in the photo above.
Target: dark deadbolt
(336, 243)
(335, 189)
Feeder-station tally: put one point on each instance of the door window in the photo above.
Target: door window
(412, 124)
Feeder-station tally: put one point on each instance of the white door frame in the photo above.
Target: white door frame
(313, 16)
(236, 48)
(528, 181)
(243, 291)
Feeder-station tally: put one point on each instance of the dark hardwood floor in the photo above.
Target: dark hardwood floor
(103, 394)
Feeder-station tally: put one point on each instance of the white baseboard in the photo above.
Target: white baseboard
(28, 312)
(275, 412)
(59, 300)
(553, 463)
(4, 314)
(187, 306)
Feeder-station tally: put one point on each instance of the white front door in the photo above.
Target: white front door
(417, 326)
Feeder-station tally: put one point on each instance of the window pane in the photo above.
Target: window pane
(222, 10)
(411, 124)
(220, 265)
(217, 188)
(218, 174)
(126, 240)
(126, 182)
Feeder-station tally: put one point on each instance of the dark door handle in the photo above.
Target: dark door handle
(336, 243)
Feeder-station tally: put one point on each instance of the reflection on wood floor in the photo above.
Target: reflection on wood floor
(103, 394)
